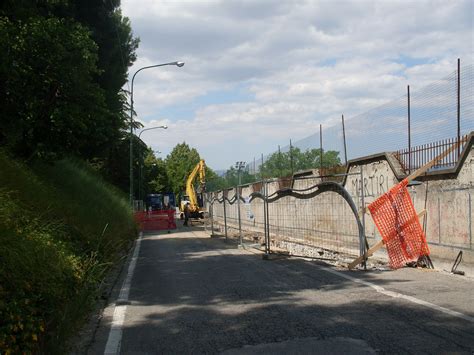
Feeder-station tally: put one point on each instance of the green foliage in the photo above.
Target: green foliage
(62, 68)
(183, 159)
(232, 177)
(277, 165)
(52, 105)
(105, 204)
(155, 175)
(170, 175)
(115, 167)
(285, 164)
(214, 182)
(61, 228)
(179, 164)
(63, 64)
(116, 53)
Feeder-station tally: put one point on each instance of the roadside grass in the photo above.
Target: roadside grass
(61, 228)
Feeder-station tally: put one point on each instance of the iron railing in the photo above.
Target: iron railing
(415, 157)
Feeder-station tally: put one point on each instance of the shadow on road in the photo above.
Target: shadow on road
(200, 295)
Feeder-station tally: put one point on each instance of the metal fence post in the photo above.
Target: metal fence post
(470, 220)
(279, 162)
(344, 139)
(321, 149)
(459, 106)
(211, 210)
(362, 196)
(265, 220)
(205, 206)
(238, 214)
(225, 215)
(291, 158)
(409, 131)
(267, 243)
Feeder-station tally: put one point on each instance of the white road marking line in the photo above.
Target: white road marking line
(393, 294)
(115, 335)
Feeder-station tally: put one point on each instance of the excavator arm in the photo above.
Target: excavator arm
(200, 169)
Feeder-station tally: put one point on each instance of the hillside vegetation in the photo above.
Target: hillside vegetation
(61, 229)
(63, 66)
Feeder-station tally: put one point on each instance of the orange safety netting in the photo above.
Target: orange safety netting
(156, 220)
(398, 224)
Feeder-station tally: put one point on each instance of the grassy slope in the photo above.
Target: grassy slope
(61, 227)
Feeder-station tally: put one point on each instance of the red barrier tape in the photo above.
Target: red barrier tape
(156, 220)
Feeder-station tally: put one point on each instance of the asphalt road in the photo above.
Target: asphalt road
(193, 294)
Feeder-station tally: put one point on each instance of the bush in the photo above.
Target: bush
(61, 227)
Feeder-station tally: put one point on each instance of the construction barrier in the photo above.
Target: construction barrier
(395, 217)
(156, 220)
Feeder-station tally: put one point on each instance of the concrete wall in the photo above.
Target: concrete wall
(327, 222)
(447, 197)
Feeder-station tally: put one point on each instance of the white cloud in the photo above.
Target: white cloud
(300, 63)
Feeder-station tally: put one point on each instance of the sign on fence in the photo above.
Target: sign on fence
(248, 209)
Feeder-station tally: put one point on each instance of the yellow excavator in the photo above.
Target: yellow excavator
(195, 200)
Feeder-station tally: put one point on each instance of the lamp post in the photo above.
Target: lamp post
(140, 177)
(239, 166)
(178, 64)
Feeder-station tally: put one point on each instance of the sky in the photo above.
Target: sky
(259, 73)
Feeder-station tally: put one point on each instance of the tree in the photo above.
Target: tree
(116, 50)
(179, 164)
(285, 164)
(155, 176)
(51, 104)
(63, 64)
(214, 182)
(232, 177)
(62, 69)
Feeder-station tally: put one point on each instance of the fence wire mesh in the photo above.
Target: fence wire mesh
(310, 217)
(323, 225)
(433, 117)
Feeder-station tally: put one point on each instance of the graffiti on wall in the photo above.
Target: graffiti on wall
(375, 183)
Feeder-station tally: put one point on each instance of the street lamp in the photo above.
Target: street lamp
(148, 129)
(140, 168)
(178, 64)
(239, 166)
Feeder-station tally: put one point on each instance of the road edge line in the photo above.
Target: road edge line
(115, 334)
(393, 294)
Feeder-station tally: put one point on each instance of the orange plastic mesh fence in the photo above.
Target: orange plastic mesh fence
(396, 219)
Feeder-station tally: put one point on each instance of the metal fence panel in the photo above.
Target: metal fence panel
(313, 217)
